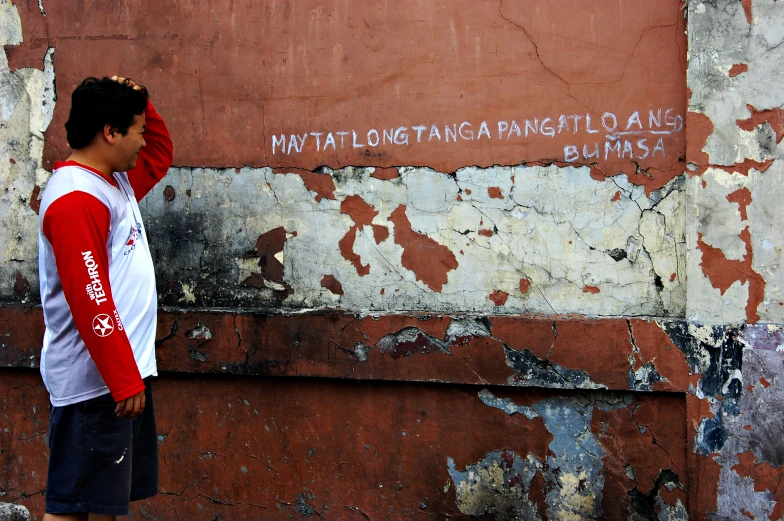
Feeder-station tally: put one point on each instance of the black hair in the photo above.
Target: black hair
(96, 103)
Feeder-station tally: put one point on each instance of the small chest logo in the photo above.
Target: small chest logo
(103, 325)
(133, 236)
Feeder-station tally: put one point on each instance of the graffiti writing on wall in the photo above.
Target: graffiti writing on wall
(638, 136)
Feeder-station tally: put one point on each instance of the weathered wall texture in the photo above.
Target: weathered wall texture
(384, 219)
(735, 125)
(27, 98)
(383, 188)
(735, 77)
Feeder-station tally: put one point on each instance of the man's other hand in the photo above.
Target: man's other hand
(131, 407)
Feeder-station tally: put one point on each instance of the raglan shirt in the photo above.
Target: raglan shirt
(97, 281)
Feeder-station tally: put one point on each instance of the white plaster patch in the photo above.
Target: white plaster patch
(10, 25)
(26, 105)
(720, 36)
(428, 190)
(9, 99)
(490, 186)
(719, 222)
(749, 146)
(766, 222)
(246, 267)
(717, 219)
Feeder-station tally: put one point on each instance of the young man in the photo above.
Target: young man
(99, 301)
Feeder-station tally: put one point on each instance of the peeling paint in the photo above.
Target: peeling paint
(615, 255)
(773, 117)
(386, 261)
(574, 470)
(499, 484)
(574, 491)
(332, 284)
(723, 272)
(715, 353)
(429, 260)
(738, 68)
(320, 183)
(531, 370)
(411, 340)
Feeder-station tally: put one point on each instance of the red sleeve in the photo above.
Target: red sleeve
(155, 158)
(77, 227)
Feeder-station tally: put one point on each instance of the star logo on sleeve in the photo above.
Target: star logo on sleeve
(103, 325)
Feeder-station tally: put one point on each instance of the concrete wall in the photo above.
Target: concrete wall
(386, 219)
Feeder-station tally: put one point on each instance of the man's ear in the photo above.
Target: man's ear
(109, 133)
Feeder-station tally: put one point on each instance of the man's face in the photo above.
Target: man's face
(127, 147)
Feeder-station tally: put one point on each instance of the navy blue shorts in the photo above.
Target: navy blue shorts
(99, 463)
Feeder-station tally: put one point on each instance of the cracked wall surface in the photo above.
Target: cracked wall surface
(567, 214)
(421, 241)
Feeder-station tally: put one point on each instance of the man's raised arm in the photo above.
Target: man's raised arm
(156, 156)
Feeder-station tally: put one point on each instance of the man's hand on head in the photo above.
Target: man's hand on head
(127, 81)
(131, 407)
